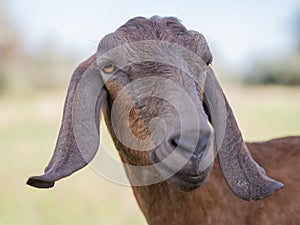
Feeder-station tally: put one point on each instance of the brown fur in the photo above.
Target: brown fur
(214, 202)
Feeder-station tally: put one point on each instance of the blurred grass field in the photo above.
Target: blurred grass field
(28, 129)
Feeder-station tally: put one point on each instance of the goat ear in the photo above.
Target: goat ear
(78, 138)
(243, 175)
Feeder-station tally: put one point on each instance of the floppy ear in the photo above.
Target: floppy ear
(243, 175)
(78, 138)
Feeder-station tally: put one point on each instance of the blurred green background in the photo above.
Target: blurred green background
(33, 81)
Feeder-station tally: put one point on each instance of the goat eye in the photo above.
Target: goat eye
(109, 68)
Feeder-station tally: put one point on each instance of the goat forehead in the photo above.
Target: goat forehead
(159, 69)
(155, 75)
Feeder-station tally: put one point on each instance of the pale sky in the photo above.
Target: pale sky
(237, 32)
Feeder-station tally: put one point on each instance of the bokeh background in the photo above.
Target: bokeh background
(256, 48)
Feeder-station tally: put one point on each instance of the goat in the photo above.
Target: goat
(168, 118)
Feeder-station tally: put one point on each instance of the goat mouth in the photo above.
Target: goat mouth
(183, 179)
(187, 182)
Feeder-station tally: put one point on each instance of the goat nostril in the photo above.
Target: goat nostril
(189, 146)
(174, 142)
(185, 144)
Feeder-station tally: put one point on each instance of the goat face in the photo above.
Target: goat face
(163, 107)
(155, 111)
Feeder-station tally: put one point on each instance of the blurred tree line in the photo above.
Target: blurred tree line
(283, 71)
(44, 68)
